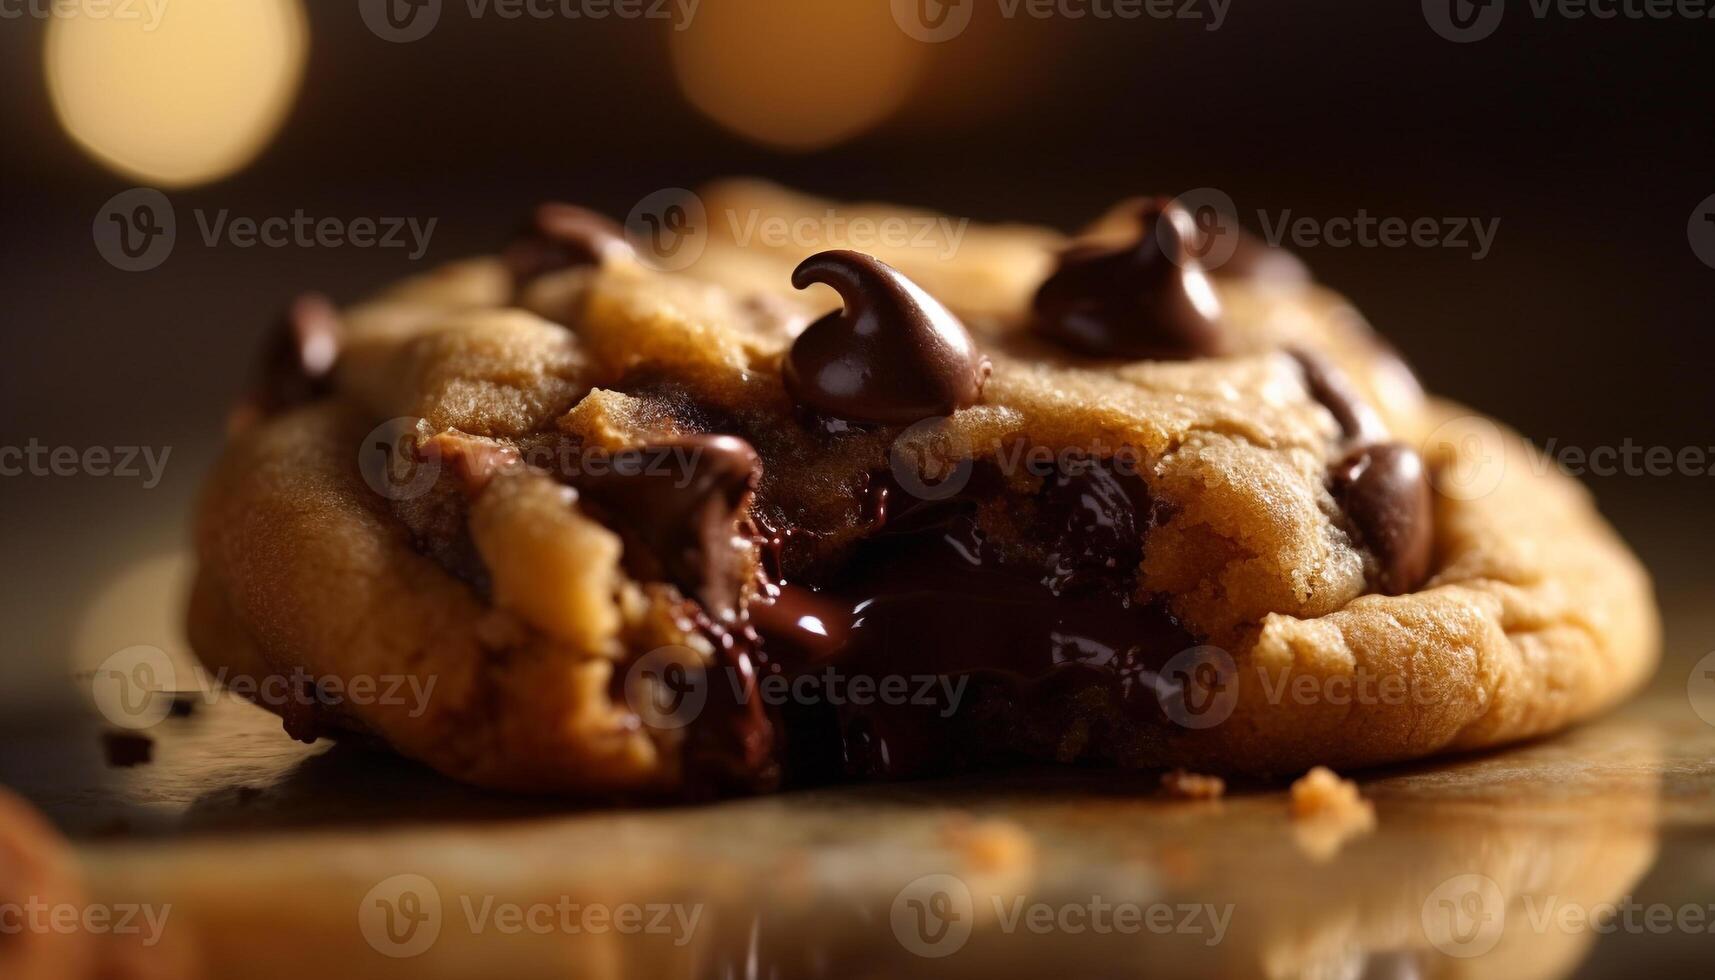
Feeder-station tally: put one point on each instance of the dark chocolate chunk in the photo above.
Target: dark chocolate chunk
(1384, 489)
(1147, 299)
(564, 236)
(297, 365)
(893, 355)
(680, 503)
(1359, 421)
(127, 749)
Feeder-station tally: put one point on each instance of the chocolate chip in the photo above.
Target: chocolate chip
(680, 504)
(1147, 299)
(893, 355)
(1384, 489)
(1359, 421)
(127, 749)
(564, 236)
(298, 359)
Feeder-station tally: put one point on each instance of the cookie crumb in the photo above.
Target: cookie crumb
(1322, 793)
(1329, 812)
(1185, 785)
(127, 749)
(992, 845)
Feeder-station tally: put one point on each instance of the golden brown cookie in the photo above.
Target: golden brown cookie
(796, 512)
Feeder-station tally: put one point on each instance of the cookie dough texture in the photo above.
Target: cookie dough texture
(517, 606)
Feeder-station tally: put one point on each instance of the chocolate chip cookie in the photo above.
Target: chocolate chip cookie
(605, 523)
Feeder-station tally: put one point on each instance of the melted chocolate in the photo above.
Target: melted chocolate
(892, 355)
(680, 508)
(1384, 489)
(1147, 299)
(940, 601)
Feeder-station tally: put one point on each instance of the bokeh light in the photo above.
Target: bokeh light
(181, 99)
(798, 75)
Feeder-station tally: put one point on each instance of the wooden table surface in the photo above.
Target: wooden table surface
(284, 860)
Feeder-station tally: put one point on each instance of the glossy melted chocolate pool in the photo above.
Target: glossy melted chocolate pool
(932, 622)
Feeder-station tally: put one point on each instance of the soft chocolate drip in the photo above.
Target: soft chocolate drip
(892, 355)
(297, 362)
(1384, 489)
(1147, 299)
(733, 745)
(1359, 421)
(681, 506)
(564, 236)
(935, 598)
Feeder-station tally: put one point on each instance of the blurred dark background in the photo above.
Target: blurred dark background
(1589, 140)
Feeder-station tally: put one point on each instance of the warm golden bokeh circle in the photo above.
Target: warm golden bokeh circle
(797, 75)
(178, 93)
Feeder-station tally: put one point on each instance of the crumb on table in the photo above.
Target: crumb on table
(1322, 793)
(1188, 785)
